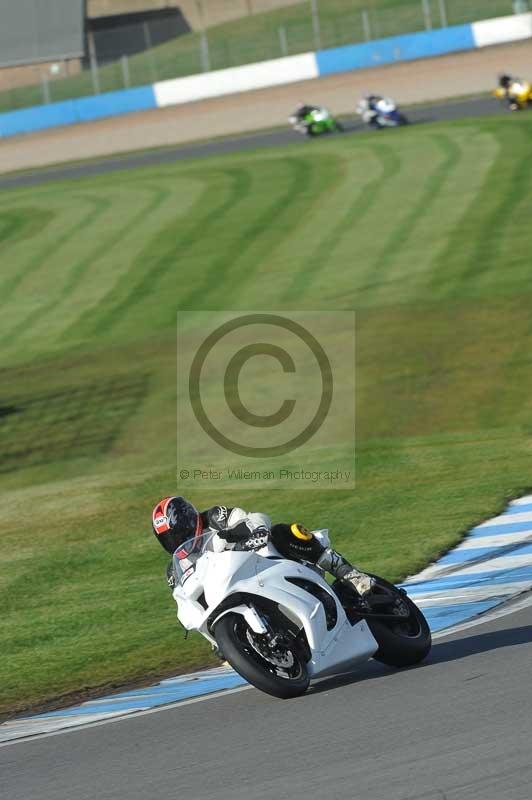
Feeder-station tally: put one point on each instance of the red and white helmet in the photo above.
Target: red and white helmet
(174, 520)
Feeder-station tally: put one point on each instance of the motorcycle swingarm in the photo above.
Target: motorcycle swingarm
(372, 613)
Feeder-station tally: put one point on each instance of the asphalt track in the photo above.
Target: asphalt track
(457, 728)
(461, 109)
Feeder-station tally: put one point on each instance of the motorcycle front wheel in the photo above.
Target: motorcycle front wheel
(403, 641)
(276, 669)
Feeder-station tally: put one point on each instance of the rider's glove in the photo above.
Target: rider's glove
(259, 538)
(237, 533)
(170, 576)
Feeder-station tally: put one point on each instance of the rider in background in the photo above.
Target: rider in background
(175, 520)
(511, 87)
(303, 110)
(367, 108)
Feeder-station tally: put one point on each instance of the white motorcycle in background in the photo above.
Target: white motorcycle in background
(280, 624)
(381, 112)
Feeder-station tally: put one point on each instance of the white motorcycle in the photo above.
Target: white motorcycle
(280, 624)
(381, 114)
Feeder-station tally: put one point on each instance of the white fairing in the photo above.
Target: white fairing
(378, 111)
(386, 105)
(218, 575)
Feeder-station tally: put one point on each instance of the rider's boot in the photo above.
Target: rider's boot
(331, 561)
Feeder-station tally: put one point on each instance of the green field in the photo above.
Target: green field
(258, 38)
(425, 231)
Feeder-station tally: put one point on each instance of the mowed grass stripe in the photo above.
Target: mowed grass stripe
(170, 246)
(479, 231)
(418, 208)
(331, 188)
(353, 255)
(97, 207)
(135, 263)
(18, 224)
(325, 254)
(297, 184)
(406, 191)
(514, 175)
(415, 265)
(111, 262)
(76, 271)
(508, 220)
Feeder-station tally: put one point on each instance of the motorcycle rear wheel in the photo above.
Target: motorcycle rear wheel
(281, 673)
(403, 643)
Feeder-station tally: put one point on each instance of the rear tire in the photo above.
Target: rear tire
(406, 642)
(282, 673)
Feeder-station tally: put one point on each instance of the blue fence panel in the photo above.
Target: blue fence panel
(109, 104)
(395, 48)
(37, 118)
(82, 109)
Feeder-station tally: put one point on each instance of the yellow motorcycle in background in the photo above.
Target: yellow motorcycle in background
(516, 94)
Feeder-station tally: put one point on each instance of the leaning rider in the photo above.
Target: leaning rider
(367, 107)
(303, 110)
(175, 519)
(511, 87)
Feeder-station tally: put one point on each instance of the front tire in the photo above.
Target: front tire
(405, 642)
(280, 672)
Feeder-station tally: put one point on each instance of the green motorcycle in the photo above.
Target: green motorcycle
(314, 121)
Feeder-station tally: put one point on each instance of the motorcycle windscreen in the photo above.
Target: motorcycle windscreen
(187, 555)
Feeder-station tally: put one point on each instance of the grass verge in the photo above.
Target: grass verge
(424, 231)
